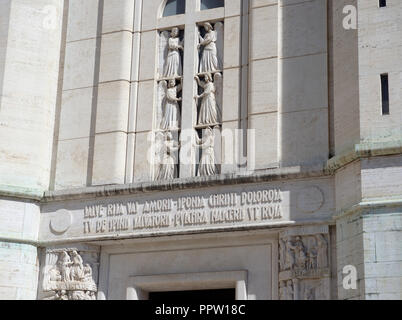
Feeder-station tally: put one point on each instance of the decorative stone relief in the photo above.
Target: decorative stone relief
(170, 45)
(304, 264)
(209, 113)
(211, 47)
(69, 274)
(207, 166)
(167, 160)
(170, 102)
(61, 222)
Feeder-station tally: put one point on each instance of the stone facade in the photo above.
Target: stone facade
(242, 146)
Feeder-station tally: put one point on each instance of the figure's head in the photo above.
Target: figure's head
(175, 32)
(208, 77)
(207, 26)
(172, 83)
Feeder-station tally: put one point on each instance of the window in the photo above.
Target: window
(174, 7)
(211, 4)
(385, 94)
(383, 3)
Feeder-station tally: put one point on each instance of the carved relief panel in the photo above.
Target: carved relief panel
(304, 268)
(70, 273)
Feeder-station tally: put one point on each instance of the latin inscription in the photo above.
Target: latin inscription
(201, 211)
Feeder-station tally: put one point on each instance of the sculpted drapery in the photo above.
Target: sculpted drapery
(173, 66)
(209, 59)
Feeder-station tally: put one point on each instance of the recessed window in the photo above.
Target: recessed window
(383, 3)
(385, 94)
(211, 4)
(174, 7)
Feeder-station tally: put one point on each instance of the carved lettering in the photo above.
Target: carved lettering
(184, 212)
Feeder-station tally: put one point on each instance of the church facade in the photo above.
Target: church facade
(277, 175)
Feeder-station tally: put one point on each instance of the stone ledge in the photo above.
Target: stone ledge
(21, 193)
(363, 150)
(269, 175)
(369, 205)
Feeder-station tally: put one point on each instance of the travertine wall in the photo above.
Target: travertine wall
(370, 237)
(379, 52)
(343, 80)
(303, 82)
(263, 82)
(28, 90)
(19, 266)
(94, 115)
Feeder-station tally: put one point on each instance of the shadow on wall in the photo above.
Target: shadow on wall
(5, 8)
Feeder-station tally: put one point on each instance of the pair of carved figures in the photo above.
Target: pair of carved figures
(209, 112)
(294, 254)
(70, 278)
(211, 59)
(71, 268)
(168, 147)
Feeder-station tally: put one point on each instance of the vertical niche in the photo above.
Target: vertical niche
(167, 124)
(209, 100)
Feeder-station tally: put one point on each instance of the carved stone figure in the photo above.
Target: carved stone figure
(208, 162)
(209, 59)
(173, 65)
(312, 259)
(209, 111)
(300, 253)
(64, 264)
(290, 256)
(166, 170)
(171, 110)
(87, 272)
(322, 258)
(77, 268)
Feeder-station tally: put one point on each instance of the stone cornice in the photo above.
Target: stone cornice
(21, 193)
(369, 205)
(277, 174)
(360, 151)
(363, 150)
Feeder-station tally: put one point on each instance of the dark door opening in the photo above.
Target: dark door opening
(195, 295)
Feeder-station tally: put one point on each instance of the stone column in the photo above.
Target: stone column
(30, 38)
